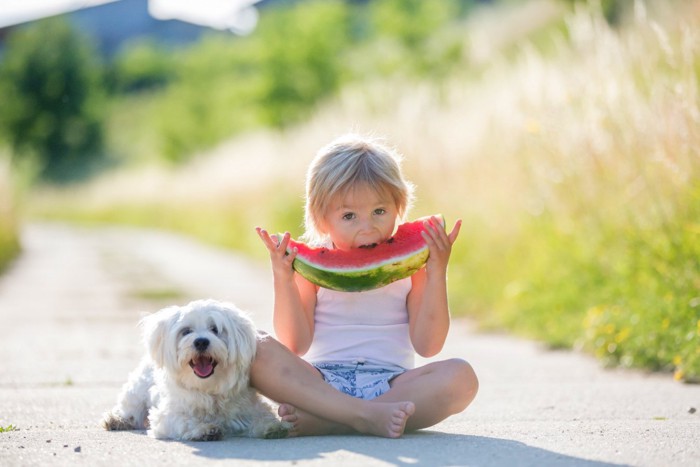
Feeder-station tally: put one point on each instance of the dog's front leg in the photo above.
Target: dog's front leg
(205, 433)
(167, 423)
(262, 422)
(131, 410)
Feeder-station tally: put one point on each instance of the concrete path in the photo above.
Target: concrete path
(68, 313)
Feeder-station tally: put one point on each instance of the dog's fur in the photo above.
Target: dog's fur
(193, 384)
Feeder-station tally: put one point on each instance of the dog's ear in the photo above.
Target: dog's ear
(155, 329)
(242, 341)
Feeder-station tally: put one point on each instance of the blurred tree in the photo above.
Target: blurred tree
(301, 53)
(416, 35)
(301, 58)
(274, 77)
(140, 66)
(50, 83)
(412, 22)
(612, 9)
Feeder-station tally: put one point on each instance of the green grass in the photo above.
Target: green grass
(157, 294)
(9, 243)
(9, 224)
(8, 428)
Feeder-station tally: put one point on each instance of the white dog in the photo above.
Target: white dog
(193, 384)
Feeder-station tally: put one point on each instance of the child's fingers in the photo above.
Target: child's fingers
(292, 254)
(274, 238)
(435, 243)
(455, 231)
(284, 242)
(262, 233)
(440, 229)
(437, 233)
(272, 242)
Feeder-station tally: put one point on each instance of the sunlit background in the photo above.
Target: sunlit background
(565, 133)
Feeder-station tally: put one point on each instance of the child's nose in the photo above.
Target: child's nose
(366, 224)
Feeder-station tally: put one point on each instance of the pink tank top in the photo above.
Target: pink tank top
(369, 327)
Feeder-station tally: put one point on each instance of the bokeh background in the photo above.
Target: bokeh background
(566, 135)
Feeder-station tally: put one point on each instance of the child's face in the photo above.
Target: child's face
(360, 217)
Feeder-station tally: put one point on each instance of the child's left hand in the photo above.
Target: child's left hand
(440, 244)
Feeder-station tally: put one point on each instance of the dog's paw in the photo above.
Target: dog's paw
(113, 422)
(278, 431)
(212, 434)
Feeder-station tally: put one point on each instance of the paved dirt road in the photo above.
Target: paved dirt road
(68, 311)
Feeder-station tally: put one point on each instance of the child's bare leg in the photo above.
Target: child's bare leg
(438, 390)
(282, 376)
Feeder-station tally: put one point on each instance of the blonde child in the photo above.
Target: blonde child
(358, 373)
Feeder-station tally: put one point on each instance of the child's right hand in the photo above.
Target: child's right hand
(281, 261)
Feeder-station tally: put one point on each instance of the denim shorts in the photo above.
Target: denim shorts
(359, 379)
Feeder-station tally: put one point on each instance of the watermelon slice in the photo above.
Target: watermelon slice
(365, 268)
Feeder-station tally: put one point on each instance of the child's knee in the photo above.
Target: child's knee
(463, 382)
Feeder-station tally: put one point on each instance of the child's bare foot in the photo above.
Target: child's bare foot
(386, 419)
(305, 424)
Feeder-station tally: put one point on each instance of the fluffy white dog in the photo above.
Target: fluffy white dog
(193, 384)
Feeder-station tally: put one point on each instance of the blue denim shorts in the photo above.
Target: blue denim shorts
(359, 379)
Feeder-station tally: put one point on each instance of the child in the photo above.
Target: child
(361, 343)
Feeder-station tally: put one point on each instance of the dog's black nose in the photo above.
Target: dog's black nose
(201, 343)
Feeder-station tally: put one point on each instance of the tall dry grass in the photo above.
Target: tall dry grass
(574, 166)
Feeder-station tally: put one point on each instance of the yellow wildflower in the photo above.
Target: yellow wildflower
(622, 335)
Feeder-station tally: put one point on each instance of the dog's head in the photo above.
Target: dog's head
(206, 345)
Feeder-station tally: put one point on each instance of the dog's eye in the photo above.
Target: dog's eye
(185, 331)
(215, 330)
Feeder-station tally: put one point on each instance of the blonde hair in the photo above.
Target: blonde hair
(346, 162)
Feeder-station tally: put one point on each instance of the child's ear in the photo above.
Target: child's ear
(155, 329)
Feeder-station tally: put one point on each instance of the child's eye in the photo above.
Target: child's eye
(379, 211)
(348, 216)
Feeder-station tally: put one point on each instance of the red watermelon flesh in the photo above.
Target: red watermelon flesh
(365, 268)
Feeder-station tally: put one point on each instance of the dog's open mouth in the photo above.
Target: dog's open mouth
(203, 366)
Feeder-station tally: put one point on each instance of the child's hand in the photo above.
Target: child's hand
(440, 244)
(281, 261)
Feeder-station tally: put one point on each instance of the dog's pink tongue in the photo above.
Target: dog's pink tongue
(203, 367)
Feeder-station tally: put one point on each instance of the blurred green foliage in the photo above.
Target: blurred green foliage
(626, 293)
(415, 37)
(9, 241)
(184, 101)
(613, 10)
(9, 222)
(300, 54)
(297, 67)
(140, 66)
(52, 99)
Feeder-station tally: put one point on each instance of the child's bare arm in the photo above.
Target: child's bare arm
(429, 315)
(295, 297)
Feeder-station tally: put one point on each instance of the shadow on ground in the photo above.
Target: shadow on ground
(419, 449)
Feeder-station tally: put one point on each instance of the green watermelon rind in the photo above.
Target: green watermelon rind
(363, 279)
